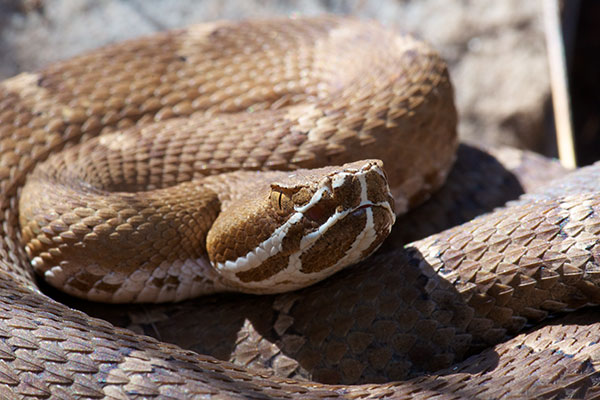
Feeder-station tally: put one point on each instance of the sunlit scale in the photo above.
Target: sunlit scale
(292, 277)
(128, 216)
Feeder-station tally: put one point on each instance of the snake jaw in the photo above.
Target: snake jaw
(346, 218)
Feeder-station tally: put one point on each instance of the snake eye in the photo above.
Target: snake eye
(281, 201)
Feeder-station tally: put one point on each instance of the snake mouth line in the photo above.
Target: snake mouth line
(364, 207)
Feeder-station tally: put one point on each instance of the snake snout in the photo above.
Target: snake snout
(363, 221)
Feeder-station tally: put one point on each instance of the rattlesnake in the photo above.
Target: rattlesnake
(272, 94)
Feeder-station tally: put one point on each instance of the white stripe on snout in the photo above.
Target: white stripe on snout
(314, 200)
(263, 251)
(272, 245)
(291, 277)
(362, 242)
(364, 199)
(339, 180)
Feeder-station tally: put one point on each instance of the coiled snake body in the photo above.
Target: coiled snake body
(268, 95)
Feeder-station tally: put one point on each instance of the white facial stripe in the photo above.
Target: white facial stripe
(272, 245)
(364, 199)
(339, 179)
(298, 279)
(362, 242)
(314, 199)
(380, 172)
(266, 249)
(291, 277)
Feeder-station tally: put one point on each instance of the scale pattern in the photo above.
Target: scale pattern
(395, 315)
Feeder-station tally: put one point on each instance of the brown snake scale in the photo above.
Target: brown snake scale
(271, 95)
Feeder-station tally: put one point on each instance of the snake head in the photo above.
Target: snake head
(302, 227)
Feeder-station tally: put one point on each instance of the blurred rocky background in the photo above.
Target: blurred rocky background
(495, 49)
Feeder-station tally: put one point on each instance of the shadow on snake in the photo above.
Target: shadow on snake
(428, 329)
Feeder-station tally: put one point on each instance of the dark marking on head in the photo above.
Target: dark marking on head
(267, 269)
(377, 190)
(349, 192)
(334, 243)
(382, 220)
